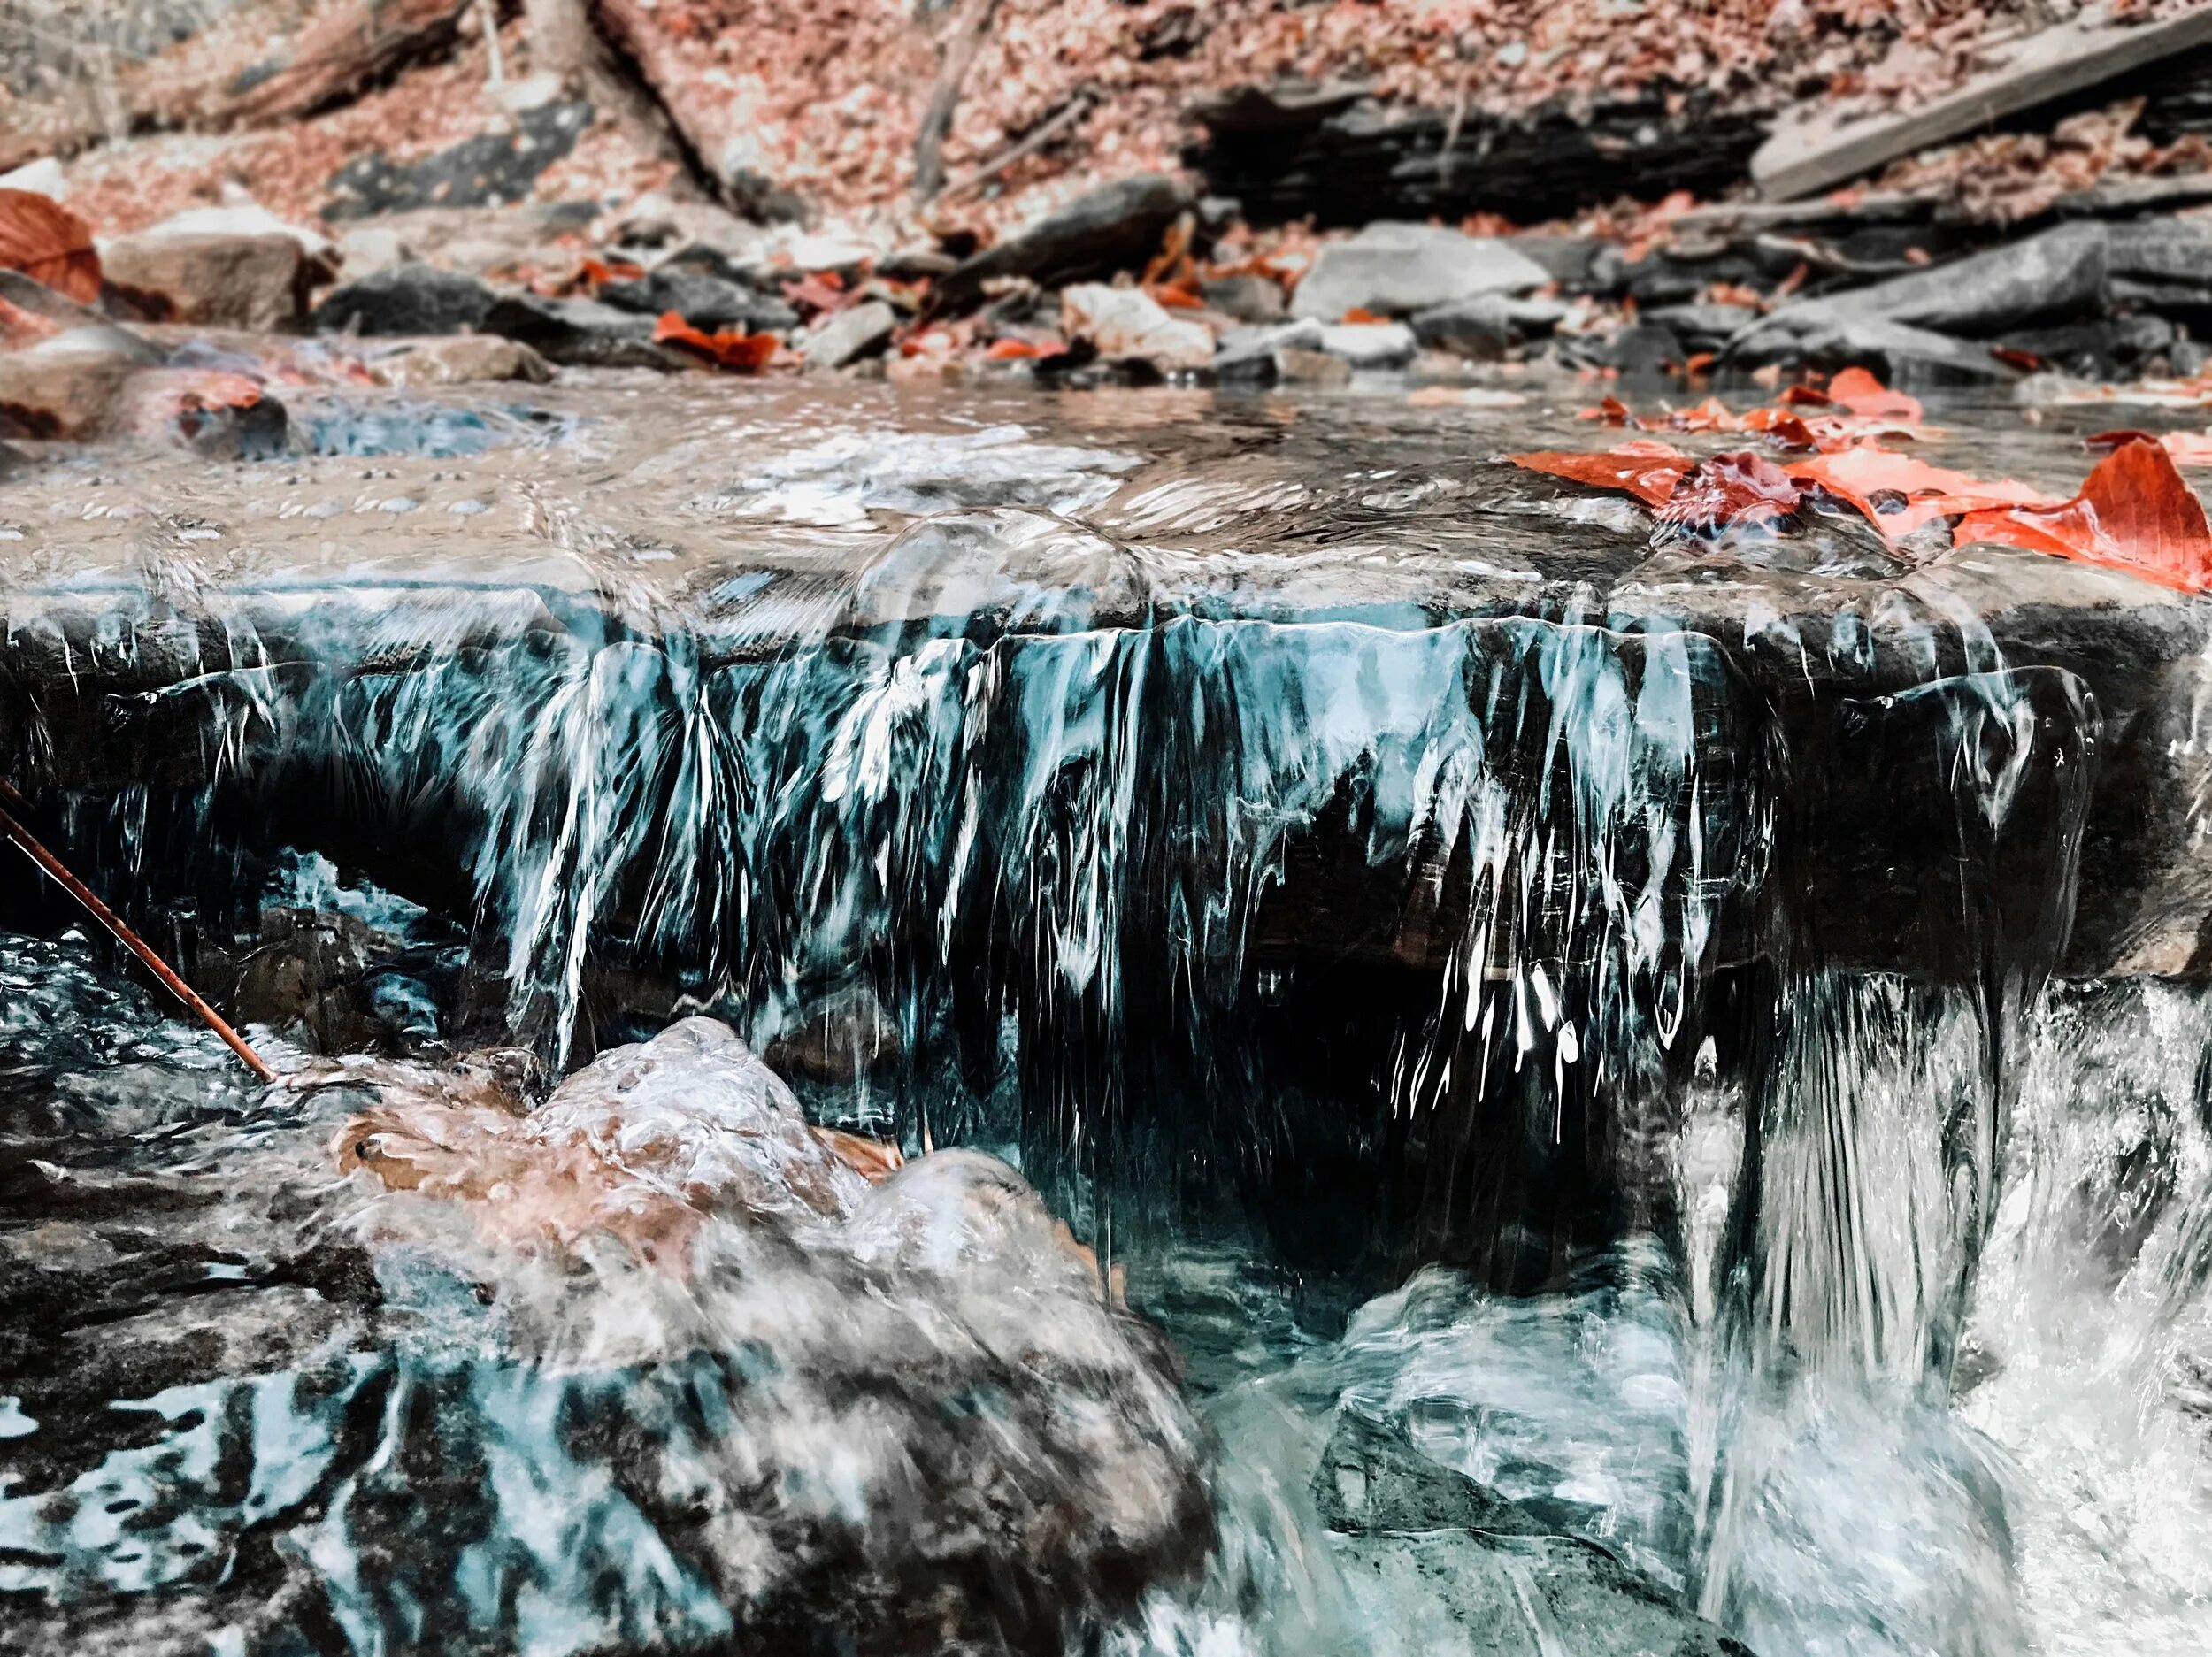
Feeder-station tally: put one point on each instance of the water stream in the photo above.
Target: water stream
(1600, 1014)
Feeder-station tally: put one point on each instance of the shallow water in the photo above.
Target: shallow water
(1388, 904)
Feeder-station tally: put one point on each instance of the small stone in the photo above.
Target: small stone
(463, 359)
(1297, 367)
(1487, 327)
(1126, 325)
(1248, 356)
(1246, 298)
(1370, 345)
(850, 334)
(1395, 269)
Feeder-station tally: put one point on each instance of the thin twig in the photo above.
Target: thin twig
(929, 141)
(124, 936)
(1035, 139)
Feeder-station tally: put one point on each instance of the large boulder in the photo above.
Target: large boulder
(1115, 227)
(1395, 270)
(217, 278)
(405, 299)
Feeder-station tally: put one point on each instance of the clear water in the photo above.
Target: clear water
(1365, 890)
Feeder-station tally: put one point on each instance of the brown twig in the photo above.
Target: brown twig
(1035, 139)
(124, 936)
(929, 141)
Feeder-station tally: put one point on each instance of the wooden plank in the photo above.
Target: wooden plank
(1818, 149)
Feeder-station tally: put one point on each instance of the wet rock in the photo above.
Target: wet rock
(1642, 348)
(1703, 327)
(406, 299)
(2104, 348)
(490, 170)
(1250, 355)
(1395, 270)
(1819, 333)
(1370, 345)
(1580, 264)
(1252, 299)
(1457, 1568)
(1487, 327)
(68, 386)
(254, 282)
(705, 300)
(842, 1039)
(1126, 325)
(45, 303)
(462, 359)
(1116, 226)
(848, 336)
(580, 332)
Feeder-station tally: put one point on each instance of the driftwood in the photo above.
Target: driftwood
(89, 901)
(944, 98)
(1819, 148)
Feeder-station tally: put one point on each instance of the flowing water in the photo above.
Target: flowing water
(1606, 1007)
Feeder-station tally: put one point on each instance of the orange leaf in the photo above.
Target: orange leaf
(1646, 470)
(1859, 392)
(1613, 411)
(2188, 449)
(2133, 513)
(1010, 350)
(1740, 488)
(1899, 494)
(732, 348)
(50, 244)
(1360, 313)
(1177, 295)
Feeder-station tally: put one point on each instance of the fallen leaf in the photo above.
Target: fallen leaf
(2133, 513)
(1648, 470)
(2188, 449)
(1729, 490)
(1011, 351)
(1612, 410)
(50, 244)
(732, 348)
(1868, 397)
(1898, 494)
(1176, 296)
(1360, 313)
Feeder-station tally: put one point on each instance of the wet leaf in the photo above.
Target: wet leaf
(1898, 494)
(2133, 513)
(732, 348)
(1731, 490)
(50, 244)
(2188, 449)
(1648, 470)
(1869, 399)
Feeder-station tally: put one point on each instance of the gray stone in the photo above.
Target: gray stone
(580, 332)
(705, 300)
(1818, 333)
(68, 386)
(1248, 354)
(1126, 325)
(850, 334)
(406, 299)
(1703, 327)
(1375, 345)
(1296, 366)
(1394, 269)
(1487, 327)
(1246, 298)
(256, 282)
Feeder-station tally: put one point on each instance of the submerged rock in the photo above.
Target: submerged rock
(1395, 270)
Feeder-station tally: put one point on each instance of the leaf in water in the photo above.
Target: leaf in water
(1729, 490)
(1859, 392)
(733, 348)
(1646, 470)
(1899, 494)
(2133, 513)
(50, 244)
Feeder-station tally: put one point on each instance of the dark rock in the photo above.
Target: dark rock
(1371, 1478)
(490, 170)
(844, 1037)
(580, 332)
(1580, 264)
(704, 301)
(1487, 327)
(1116, 226)
(1704, 327)
(1642, 348)
(1249, 356)
(1246, 298)
(2104, 348)
(1397, 269)
(406, 299)
(1819, 333)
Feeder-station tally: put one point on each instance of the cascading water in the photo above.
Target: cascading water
(1529, 1039)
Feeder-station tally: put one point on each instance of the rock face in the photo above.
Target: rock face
(405, 299)
(580, 333)
(256, 282)
(1458, 1569)
(1116, 226)
(707, 301)
(1126, 325)
(1395, 270)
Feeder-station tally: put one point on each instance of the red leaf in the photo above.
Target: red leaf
(1176, 296)
(2133, 513)
(1646, 470)
(1360, 313)
(1011, 350)
(2188, 449)
(732, 348)
(50, 244)
(1862, 395)
(1613, 411)
(1899, 494)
